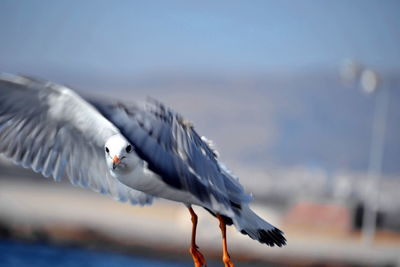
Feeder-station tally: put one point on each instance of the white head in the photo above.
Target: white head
(120, 154)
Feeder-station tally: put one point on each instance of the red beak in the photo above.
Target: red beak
(115, 161)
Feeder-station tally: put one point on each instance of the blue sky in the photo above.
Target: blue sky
(128, 37)
(128, 45)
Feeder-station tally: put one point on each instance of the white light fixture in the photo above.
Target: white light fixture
(369, 81)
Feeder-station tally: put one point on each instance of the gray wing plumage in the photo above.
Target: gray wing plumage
(47, 127)
(173, 149)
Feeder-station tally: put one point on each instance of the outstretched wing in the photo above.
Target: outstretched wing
(47, 127)
(174, 150)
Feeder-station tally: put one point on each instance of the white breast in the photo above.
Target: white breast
(143, 179)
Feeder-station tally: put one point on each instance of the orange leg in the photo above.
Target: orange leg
(226, 258)
(198, 258)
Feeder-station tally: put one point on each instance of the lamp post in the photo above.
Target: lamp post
(371, 84)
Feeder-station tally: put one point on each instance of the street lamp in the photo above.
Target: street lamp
(371, 84)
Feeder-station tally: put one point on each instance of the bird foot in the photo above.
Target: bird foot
(198, 258)
(227, 261)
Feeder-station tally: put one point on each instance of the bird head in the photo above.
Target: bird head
(119, 154)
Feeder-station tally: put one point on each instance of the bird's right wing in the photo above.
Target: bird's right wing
(49, 128)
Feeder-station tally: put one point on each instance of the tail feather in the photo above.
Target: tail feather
(249, 223)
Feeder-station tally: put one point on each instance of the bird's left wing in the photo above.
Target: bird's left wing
(173, 149)
(49, 128)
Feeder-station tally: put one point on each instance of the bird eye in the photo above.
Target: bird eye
(108, 151)
(128, 148)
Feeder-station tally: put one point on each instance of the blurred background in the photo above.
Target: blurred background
(300, 98)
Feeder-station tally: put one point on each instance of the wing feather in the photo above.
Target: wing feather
(174, 150)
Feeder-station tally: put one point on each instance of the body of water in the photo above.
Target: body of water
(21, 254)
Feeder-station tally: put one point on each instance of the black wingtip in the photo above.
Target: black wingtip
(270, 237)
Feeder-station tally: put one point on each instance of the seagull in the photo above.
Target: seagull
(132, 152)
